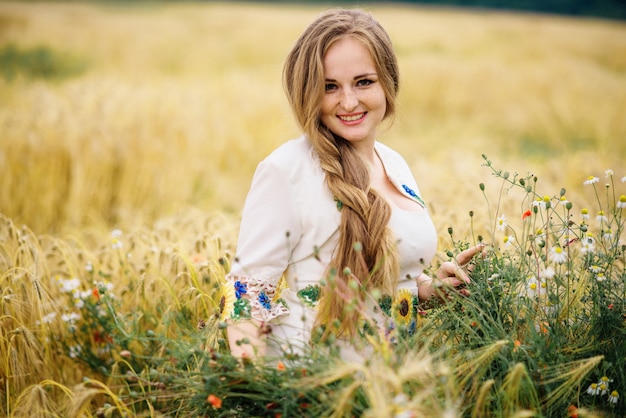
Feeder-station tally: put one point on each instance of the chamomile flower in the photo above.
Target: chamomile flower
(613, 397)
(501, 223)
(588, 244)
(608, 173)
(591, 180)
(602, 217)
(593, 389)
(68, 285)
(603, 387)
(600, 277)
(624, 179)
(595, 269)
(532, 287)
(508, 240)
(548, 272)
(70, 317)
(584, 213)
(622, 202)
(607, 234)
(116, 243)
(558, 255)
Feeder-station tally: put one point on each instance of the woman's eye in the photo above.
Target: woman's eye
(330, 86)
(364, 82)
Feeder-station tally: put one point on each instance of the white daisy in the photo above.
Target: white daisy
(558, 255)
(591, 180)
(501, 223)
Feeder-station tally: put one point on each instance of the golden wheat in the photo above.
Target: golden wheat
(160, 137)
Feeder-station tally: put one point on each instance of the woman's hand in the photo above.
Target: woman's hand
(451, 275)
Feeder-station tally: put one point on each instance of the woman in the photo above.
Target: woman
(333, 217)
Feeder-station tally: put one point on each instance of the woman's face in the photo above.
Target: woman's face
(354, 102)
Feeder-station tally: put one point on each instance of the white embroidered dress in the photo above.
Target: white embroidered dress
(289, 228)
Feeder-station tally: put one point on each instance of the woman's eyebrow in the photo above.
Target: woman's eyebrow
(356, 77)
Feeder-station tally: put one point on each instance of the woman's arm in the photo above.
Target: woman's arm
(246, 339)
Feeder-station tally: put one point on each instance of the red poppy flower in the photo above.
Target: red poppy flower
(214, 401)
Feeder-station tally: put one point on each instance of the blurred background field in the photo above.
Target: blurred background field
(151, 119)
(148, 110)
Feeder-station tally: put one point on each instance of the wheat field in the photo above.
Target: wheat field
(159, 136)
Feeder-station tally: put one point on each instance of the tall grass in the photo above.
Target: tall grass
(157, 139)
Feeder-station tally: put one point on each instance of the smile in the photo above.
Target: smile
(351, 118)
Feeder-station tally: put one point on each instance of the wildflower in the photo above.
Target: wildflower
(69, 285)
(600, 277)
(516, 345)
(558, 256)
(539, 203)
(601, 217)
(624, 179)
(532, 285)
(572, 411)
(501, 223)
(125, 353)
(508, 240)
(47, 319)
(548, 272)
(622, 202)
(526, 214)
(401, 308)
(584, 213)
(116, 234)
(280, 366)
(214, 401)
(613, 397)
(75, 351)
(70, 317)
(95, 293)
(588, 244)
(89, 266)
(591, 180)
(593, 389)
(607, 234)
(603, 388)
(604, 380)
(542, 327)
(608, 173)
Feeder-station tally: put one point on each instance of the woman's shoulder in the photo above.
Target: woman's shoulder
(290, 151)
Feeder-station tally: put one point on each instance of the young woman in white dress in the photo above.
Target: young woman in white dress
(333, 219)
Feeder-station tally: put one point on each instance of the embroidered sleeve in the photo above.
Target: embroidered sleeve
(270, 228)
(252, 298)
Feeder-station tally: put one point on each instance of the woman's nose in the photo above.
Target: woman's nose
(349, 99)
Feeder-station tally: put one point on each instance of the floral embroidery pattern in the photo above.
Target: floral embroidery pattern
(264, 300)
(251, 297)
(310, 295)
(240, 289)
(402, 309)
(412, 193)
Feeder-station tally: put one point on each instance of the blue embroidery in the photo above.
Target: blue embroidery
(240, 289)
(264, 300)
(412, 193)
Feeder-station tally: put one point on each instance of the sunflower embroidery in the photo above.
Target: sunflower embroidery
(402, 308)
(227, 302)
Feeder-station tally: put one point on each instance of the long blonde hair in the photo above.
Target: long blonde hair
(366, 249)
